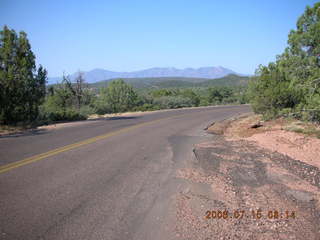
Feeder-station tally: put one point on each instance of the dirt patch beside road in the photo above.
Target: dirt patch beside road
(297, 146)
(255, 180)
(258, 193)
(289, 137)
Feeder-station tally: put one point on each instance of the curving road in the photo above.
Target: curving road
(102, 179)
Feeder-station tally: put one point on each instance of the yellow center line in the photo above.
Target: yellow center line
(10, 166)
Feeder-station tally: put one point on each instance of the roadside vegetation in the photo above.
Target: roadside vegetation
(64, 102)
(22, 84)
(289, 86)
(26, 99)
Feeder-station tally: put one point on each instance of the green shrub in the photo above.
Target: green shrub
(86, 110)
(56, 116)
(172, 102)
(101, 106)
(147, 107)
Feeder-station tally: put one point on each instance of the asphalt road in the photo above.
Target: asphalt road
(116, 185)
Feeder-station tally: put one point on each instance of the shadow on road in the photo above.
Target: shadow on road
(121, 118)
(34, 131)
(25, 133)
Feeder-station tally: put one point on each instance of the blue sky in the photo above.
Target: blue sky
(133, 35)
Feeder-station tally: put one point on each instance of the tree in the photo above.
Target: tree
(189, 93)
(117, 97)
(62, 103)
(291, 84)
(215, 95)
(22, 84)
(8, 66)
(172, 102)
(78, 88)
(305, 40)
(63, 96)
(162, 93)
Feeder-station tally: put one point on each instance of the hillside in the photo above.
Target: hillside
(230, 80)
(179, 82)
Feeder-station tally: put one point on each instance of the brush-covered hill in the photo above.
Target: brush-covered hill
(179, 82)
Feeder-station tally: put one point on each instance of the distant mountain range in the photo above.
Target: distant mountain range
(97, 75)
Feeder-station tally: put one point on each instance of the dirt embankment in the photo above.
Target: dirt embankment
(293, 138)
(254, 180)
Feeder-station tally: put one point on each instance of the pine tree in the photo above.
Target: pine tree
(22, 84)
(291, 85)
(8, 81)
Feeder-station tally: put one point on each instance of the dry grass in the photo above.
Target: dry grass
(308, 129)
